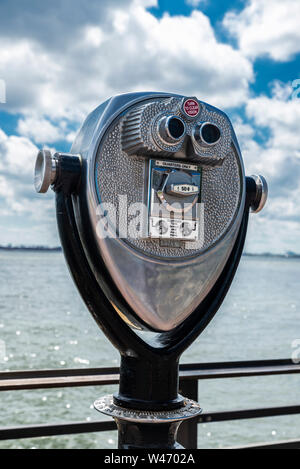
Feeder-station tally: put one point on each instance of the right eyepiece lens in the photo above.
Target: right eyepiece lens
(208, 134)
(211, 133)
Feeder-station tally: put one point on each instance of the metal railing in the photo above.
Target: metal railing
(189, 377)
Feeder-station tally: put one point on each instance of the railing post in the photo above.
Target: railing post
(188, 431)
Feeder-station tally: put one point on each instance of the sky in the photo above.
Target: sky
(61, 59)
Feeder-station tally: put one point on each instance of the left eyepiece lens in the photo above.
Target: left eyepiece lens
(176, 127)
(171, 129)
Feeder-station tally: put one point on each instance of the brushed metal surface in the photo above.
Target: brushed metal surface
(163, 285)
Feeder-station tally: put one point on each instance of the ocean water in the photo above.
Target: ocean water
(44, 324)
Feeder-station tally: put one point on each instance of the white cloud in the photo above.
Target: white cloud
(93, 36)
(17, 155)
(56, 72)
(267, 27)
(25, 217)
(275, 120)
(272, 235)
(195, 3)
(126, 49)
(280, 116)
(41, 130)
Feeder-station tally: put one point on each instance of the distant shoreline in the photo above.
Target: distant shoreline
(269, 254)
(30, 248)
(288, 255)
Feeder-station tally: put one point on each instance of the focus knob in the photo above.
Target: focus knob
(260, 194)
(45, 171)
(62, 171)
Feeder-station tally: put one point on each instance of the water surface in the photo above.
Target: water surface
(44, 324)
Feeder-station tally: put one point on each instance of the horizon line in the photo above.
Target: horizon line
(10, 247)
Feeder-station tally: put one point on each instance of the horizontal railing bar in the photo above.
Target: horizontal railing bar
(42, 379)
(248, 414)
(289, 444)
(58, 382)
(238, 369)
(58, 373)
(19, 374)
(38, 431)
(239, 364)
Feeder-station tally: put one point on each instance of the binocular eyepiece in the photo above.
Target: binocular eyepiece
(207, 134)
(177, 131)
(171, 129)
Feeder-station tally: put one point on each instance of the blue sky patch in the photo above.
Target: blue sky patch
(8, 122)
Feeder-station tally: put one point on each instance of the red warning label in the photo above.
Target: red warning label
(191, 107)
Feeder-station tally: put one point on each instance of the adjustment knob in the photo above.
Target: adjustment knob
(45, 171)
(261, 195)
(62, 171)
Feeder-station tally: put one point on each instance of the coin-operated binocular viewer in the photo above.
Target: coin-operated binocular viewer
(152, 209)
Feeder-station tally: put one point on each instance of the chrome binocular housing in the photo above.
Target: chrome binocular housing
(152, 208)
(159, 194)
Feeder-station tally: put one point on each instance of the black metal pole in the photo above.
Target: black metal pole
(149, 384)
(134, 435)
